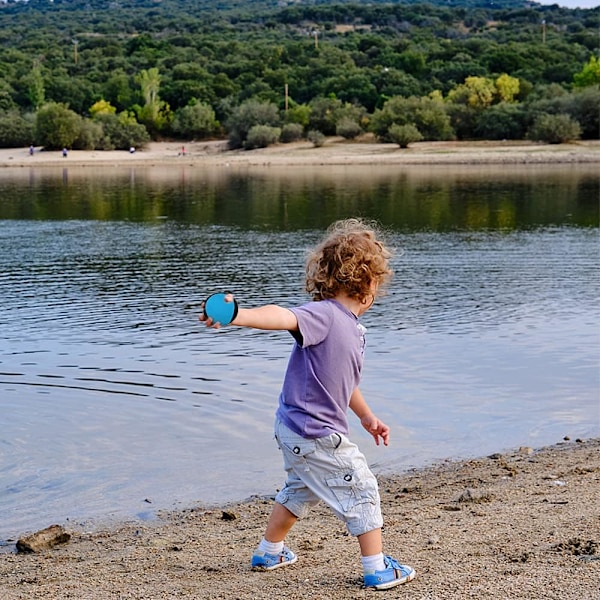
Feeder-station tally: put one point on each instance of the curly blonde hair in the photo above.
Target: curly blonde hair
(349, 259)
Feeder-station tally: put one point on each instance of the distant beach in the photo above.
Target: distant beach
(336, 151)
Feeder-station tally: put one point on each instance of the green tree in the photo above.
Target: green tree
(102, 107)
(298, 113)
(507, 87)
(154, 114)
(583, 105)
(476, 92)
(589, 75)
(503, 121)
(195, 121)
(118, 90)
(16, 130)
(428, 115)
(57, 126)
(403, 135)
(246, 116)
(35, 86)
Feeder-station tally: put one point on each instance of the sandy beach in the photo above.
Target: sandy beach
(335, 152)
(523, 524)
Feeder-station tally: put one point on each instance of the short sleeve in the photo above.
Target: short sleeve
(314, 322)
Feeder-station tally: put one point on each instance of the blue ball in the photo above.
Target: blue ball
(219, 310)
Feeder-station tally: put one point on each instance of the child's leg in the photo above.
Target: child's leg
(280, 522)
(371, 543)
(271, 552)
(381, 572)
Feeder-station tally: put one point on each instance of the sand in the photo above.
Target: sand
(336, 151)
(523, 524)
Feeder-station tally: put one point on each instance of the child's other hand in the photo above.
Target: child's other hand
(378, 429)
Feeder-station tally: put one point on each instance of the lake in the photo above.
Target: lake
(115, 402)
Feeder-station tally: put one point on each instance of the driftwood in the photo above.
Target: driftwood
(44, 539)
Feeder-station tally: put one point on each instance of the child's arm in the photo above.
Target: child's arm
(270, 316)
(378, 429)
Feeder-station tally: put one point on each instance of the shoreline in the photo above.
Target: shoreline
(522, 524)
(335, 152)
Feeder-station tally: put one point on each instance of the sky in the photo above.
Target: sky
(572, 3)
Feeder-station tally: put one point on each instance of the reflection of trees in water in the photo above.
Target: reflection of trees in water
(438, 198)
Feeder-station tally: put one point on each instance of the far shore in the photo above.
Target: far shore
(335, 152)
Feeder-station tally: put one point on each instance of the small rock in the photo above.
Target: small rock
(475, 496)
(229, 515)
(526, 450)
(43, 540)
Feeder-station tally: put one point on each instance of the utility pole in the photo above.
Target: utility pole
(543, 31)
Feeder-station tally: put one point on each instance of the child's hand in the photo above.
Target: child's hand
(207, 320)
(378, 429)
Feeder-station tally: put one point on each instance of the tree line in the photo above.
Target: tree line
(116, 75)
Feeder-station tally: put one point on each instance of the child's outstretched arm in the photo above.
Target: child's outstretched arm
(270, 316)
(378, 429)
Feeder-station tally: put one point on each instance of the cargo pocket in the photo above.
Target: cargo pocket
(296, 451)
(298, 447)
(352, 488)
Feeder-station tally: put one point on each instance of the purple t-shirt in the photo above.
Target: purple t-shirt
(323, 370)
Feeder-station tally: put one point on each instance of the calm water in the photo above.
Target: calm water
(115, 402)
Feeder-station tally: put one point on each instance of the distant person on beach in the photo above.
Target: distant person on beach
(344, 275)
(65, 153)
(31, 150)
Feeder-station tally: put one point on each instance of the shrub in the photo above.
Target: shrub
(427, 114)
(555, 129)
(504, 121)
(195, 121)
(316, 138)
(348, 128)
(584, 107)
(57, 126)
(403, 135)
(121, 131)
(261, 136)
(246, 116)
(291, 132)
(16, 130)
(90, 136)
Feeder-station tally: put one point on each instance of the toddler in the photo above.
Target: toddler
(344, 275)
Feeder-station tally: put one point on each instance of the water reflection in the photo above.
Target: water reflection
(438, 198)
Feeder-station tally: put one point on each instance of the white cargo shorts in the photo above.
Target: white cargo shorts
(333, 470)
